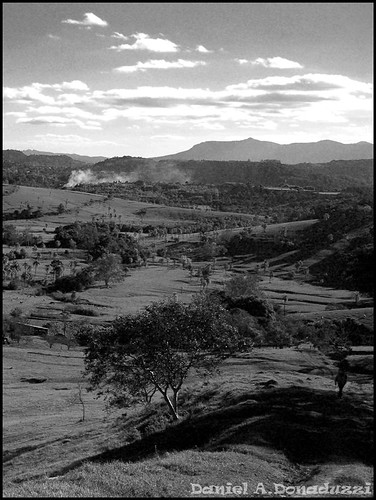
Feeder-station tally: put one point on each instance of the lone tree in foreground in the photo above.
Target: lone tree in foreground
(155, 350)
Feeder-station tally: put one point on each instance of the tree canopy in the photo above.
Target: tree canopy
(108, 268)
(158, 348)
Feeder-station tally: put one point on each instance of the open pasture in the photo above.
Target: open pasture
(43, 432)
(86, 206)
(162, 280)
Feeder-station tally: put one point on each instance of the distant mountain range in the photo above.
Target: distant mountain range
(291, 154)
(84, 159)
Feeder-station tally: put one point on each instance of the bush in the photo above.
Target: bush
(241, 285)
(277, 336)
(60, 296)
(77, 283)
(84, 311)
(255, 306)
(14, 284)
(132, 435)
(246, 324)
(16, 312)
(83, 332)
(156, 423)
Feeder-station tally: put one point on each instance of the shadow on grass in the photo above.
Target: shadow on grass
(309, 426)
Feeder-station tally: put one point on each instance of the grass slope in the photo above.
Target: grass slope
(271, 416)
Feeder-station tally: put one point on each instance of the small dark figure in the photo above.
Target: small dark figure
(341, 379)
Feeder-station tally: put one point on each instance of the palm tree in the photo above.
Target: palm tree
(65, 316)
(6, 269)
(57, 268)
(15, 269)
(73, 266)
(47, 268)
(36, 263)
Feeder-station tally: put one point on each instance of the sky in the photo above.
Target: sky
(151, 79)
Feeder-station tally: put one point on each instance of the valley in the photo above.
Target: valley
(48, 446)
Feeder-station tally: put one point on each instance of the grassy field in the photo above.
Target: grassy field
(83, 206)
(270, 416)
(258, 421)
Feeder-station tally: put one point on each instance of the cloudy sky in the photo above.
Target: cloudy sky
(148, 79)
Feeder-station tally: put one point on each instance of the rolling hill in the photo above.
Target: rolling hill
(12, 156)
(83, 158)
(254, 150)
(325, 176)
(61, 170)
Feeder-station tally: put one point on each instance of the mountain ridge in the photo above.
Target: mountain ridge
(74, 156)
(254, 150)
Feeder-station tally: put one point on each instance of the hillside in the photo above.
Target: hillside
(324, 176)
(11, 156)
(254, 150)
(256, 421)
(83, 158)
(38, 170)
(59, 170)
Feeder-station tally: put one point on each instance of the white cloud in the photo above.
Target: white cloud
(204, 50)
(168, 137)
(276, 63)
(58, 121)
(90, 19)
(335, 100)
(312, 82)
(159, 64)
(119, 36)
(242, 61)
(53, 37)
(145, 42)
(27, 94)
(34, 92)
(17, 114)
(73, 85)
(74, 139)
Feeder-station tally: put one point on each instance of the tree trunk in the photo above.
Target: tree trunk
(175, 400)
(171, 405)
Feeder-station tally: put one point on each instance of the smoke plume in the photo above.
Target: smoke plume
(150, 172)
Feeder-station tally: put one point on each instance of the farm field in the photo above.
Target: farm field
(43, 432)
(157, 281)
(84, 206)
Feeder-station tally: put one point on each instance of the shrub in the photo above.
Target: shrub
(255, 306)
(16, 312)
(277, 336)
(83, 332)
(84, 311)
(132, 435)
(241, 285)
(156, 423)
(60, 296)
(14, 284)
(246, 324)
(77, 283)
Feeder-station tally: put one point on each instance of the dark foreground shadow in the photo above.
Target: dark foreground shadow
(309, 426)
